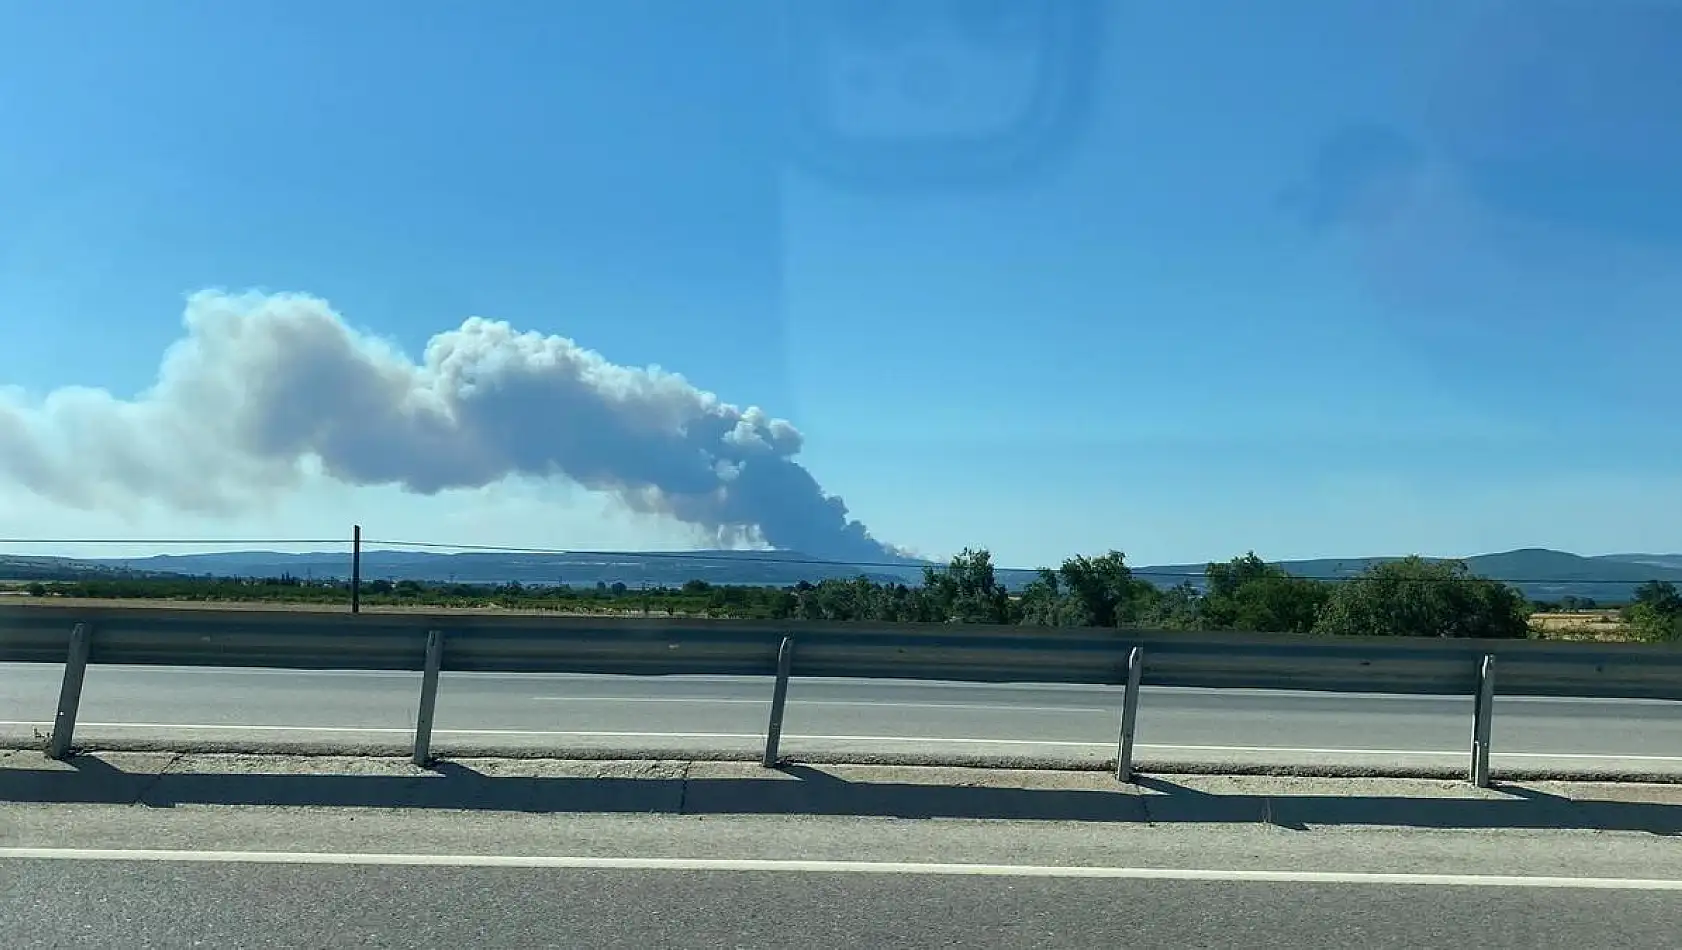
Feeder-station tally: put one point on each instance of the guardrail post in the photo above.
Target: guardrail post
(428, 697)
(1483, 720)
(70, 693)
(779, 698)
(1129, 715)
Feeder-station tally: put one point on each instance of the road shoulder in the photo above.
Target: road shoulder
(688, 809)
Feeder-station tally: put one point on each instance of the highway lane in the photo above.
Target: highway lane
(133, 904)
(238, 876)
(728, 713)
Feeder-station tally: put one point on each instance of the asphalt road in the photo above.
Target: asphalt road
(140, 905)
(1223, 862)
(559, 712)
(116, 875)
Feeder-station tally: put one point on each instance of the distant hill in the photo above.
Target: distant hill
(655, 569)
(1659, 560)
(1168, 575)
(1542, 574)
(18, 567)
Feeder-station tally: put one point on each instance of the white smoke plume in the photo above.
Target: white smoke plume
(262, 386)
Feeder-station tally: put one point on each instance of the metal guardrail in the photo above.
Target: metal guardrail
(429, 643)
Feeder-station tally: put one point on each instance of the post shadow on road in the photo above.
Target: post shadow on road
(805, 790)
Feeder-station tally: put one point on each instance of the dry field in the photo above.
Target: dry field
(1603, 625)
(1594, 625)
(60, 603)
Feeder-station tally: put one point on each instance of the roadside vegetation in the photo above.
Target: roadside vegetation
(1406, 597)
(1656, 613)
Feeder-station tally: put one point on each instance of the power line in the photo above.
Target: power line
(773, 558)
(173, 542)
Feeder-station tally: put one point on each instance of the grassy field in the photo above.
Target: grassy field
(1597, 625)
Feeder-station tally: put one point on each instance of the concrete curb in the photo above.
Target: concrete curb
(1213, 767)
(705, 789)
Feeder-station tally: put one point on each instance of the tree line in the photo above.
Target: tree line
(1656, 613)
(1406, 597)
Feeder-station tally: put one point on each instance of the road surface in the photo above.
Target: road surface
(108, 875)
(697, 714)
(133, 905)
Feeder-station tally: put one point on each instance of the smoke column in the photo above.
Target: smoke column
(261, 384)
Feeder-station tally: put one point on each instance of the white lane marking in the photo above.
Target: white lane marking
(833, 867)
(766, 701)
(920, 740)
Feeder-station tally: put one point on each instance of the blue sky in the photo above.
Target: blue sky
(1313, 278)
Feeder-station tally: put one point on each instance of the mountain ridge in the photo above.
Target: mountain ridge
(1542, 573)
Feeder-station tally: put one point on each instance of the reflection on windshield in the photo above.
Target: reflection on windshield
(1532, 206)
(1186, 279)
